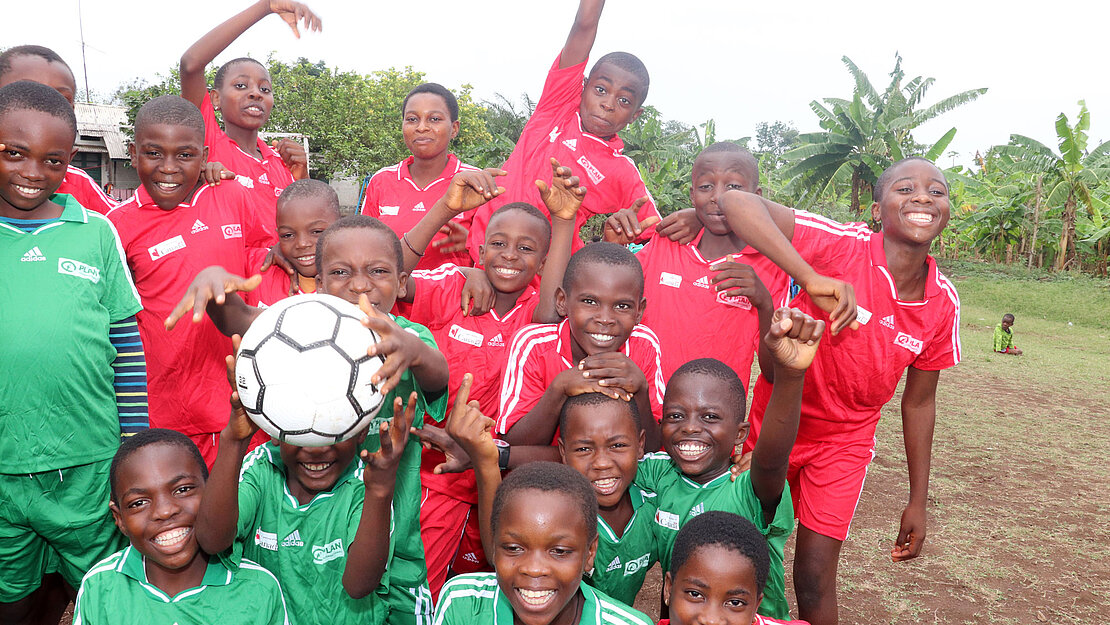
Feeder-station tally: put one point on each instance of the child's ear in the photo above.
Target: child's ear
(759, 191)
(454, 129)
(643, 307)
(114, 507)
(636, 115)
(640, 444)
(214, 95)
(876, 214)
(131, 151)
(402, 284)
(204, 157)
(591, 551)
(560, 301)
(742, 433)
(562, 451)
(319, 281)
(668, 581)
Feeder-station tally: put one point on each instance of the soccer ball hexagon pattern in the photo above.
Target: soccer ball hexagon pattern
(303, 373)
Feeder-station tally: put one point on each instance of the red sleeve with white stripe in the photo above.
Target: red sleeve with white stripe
(824, 243)
(86, 191)
(437, 295)
(644, 350)
(525, 377)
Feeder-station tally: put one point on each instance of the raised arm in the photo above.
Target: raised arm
(215, 290)
(205, 50)
(792, 342)
(919, 414)
(562, 199)
(468, 190)
(473, 431)
(582, 33)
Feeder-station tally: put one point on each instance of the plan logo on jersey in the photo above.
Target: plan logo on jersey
(887, 321)
(614, 565)
(862, 315)
(166, 247)
(33, 255)
(635, 566)
(910, 343)
(246, 181)
(572, 144)
(198, 226)
(668, 520)
(496, 341)
(232, 231)
(736, 301)
(462, 335)
(702, 282)
(419, 208)
(670, 279)
(328, 552)
(555, 132)
(696, 510)
(266, 540)
(593, 172)
(293, 540)
(78, 269)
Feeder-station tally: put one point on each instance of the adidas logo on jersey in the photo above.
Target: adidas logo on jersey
(198, 226)
(614, 565)
(264, 179)
(887, 321)
(419, 207)
(496, 341)
(698, 509)
(33, 255)
(572, 144)
(703, 282)
(293, 540)
(471, 557)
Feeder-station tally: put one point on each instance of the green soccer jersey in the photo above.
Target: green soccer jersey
(116, 592)
(622, 563)
(476, 598)
(409, 598)
(1003, 338)
(306, 546)
(680, 499)
(60, 287)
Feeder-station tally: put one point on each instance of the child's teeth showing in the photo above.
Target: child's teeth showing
(167, 186)
(27, 190)
(172, 537)
(535, 597)
(601, 338)
(606, 485)
(690, 451)
(507, 272)
(920, 218)
(316, 466)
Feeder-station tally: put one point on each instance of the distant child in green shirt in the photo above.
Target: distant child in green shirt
(1004, 337)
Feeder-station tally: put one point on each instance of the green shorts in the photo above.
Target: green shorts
(409, 606)
(54, 521)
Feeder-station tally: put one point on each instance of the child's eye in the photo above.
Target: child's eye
(600, 90)
(625, 101)
(151, 154)
(581, 450)
(265, 89)
(338, 272)
(672, 416)
(180, 490)
(904, 189)
(735, 185)
(709, 416)
(511, 549)
(624, 306)
(285, 235)
(735, 603)
(436, 118)
(705, 187)
(240, 85)
(589, 301)
(561, 552)
(693, 594)
(525, 248)
(497, 244)
(53, 162)
(138, 503)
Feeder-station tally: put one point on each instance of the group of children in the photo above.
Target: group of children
(610, 386)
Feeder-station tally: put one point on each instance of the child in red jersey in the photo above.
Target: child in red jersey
(242, 92)
(719, 569)
(600, 347)
(713, 297)
(172, 227)
(520, 243)
(908, 316)
(576, 122)
(401, 194)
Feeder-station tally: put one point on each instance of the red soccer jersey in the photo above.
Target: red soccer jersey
(85, 190)
(265, 178)
(693, 320)
(275, 282)
(540, 352)
(186, 377)
(478, 345)
(555, 129)
(393, 196)
(855, 373)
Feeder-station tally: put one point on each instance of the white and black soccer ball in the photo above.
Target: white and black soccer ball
(303, 373)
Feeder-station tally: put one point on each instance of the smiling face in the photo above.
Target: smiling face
(158, 493)
(300, 222)
(717, 172)
(715, 585)
(603, 443)
(246, 96)
(514, 251)
(313, 470)
(361, 260)
(38, 148)
(541, 554)
(37, 69)
(914, 205)
(427, 127)
(610, 100)
(169, 159)
(603, 306)
(701, 427)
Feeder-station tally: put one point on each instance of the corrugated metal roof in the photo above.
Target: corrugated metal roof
(103, 120)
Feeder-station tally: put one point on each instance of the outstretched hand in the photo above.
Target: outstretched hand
(835, 297)
(471, 429)
(455, 241)
(792, 339)
(398, 347)
(564, 197)
(381, 466)
(212, 284)
(293, 12)
(470, 189)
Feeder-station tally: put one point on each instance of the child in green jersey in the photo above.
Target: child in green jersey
(718, 572)
(703, 423)
(601, 438)
(157, 481)
(1004, 337)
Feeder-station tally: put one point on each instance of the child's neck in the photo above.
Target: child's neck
(711, 474)
(580, 354)
(908, 265)
(46, 210)
(504, 302)
(186, 200)
(619, 515)
(176, 581)
(307, 284)
(245, 138)
(714, 246)
(425, 170)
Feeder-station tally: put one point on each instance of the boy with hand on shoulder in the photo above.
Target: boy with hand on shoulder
(157, 480)
(1004, 337)
(74, 376)
(576, 120)
(599, 347)
(329, 512)
(718, 573)
(703, 423)
(174, 226)
(908, 316)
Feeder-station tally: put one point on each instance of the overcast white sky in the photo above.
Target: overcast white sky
(738, 62)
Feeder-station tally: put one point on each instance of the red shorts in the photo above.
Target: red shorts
(452, 542)
(209, 444)
(826, 480)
